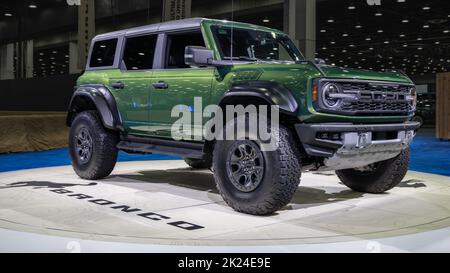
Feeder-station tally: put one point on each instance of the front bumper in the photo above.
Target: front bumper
(345, 146)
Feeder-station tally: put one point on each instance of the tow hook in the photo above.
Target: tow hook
(364, 140)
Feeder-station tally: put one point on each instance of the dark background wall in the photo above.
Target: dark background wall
(38, 94)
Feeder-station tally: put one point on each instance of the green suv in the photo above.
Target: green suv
(355, 122)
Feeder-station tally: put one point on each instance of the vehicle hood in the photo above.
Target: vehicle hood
(349, 73)
(308, 69)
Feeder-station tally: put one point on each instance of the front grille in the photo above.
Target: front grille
(377, 98)
(376, 107)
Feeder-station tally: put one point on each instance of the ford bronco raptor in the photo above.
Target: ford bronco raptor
(355, 122)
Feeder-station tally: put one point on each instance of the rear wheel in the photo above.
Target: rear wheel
(92, 147)
(379, 177)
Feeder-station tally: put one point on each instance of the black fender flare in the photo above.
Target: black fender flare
(271, 92)
(103, 100)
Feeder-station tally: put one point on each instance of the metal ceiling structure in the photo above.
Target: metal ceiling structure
(397, 34)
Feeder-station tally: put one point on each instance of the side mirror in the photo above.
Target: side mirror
(198, 56)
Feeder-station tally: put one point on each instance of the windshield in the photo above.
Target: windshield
(254, 45)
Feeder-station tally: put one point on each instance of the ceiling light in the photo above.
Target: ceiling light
(405, 21)
(266, 20)
(402, 35)
(32, 6)
(351, 7)
(378, 14)
(368, 39)
(426, 8)
(419, 39)
(345, 35)
(358, 26)
(7, 14)
(446, 31)
(380, 31)
(426, 26)
(386, 42)
(330, 20)
(323, 30)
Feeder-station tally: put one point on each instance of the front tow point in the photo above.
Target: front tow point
(364, 140)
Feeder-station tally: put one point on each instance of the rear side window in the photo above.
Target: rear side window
(139, 52)
(103, 53)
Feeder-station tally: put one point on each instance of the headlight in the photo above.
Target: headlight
(330, 95)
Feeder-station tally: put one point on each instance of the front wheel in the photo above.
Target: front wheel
(379, 177)
(92, 147)
(254, 181)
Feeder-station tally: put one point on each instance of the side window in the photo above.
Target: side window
(176, 44)
(103, 53)
(139, 52)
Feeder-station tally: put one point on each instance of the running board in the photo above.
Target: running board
(159, 146)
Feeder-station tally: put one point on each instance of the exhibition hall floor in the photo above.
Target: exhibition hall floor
(164, 206)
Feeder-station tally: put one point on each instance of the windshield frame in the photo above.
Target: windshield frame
(295, 51)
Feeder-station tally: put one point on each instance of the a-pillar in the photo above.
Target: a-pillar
(300, 24)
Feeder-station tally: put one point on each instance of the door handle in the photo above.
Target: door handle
(161, 85)
(118, 85)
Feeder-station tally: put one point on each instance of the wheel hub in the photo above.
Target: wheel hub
(83, 145)
(245, 166)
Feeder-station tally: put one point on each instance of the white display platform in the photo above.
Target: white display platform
(164, 206)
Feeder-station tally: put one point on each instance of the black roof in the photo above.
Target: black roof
(166, 26)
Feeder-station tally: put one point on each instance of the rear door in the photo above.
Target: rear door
(176, 83)
(131, 84)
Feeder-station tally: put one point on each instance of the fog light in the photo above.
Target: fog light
(329, 136)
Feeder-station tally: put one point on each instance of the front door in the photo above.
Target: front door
(177, 84)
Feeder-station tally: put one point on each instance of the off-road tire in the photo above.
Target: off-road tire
(281, 178)
(198, 163)
(386, 175)
(104, 147)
